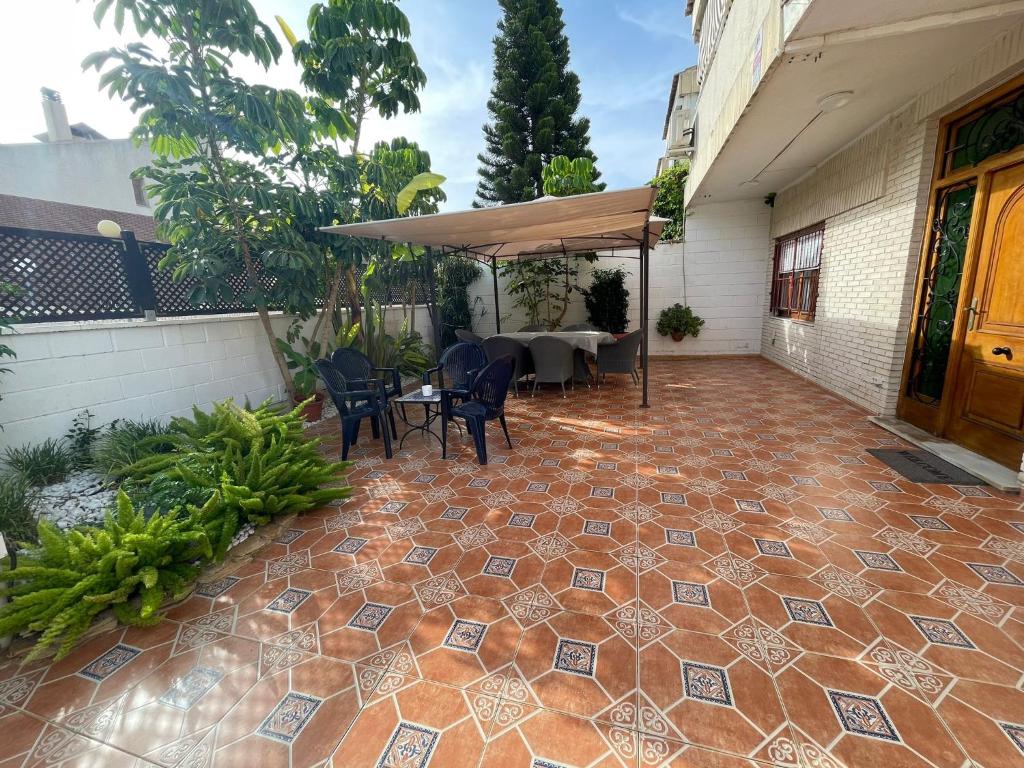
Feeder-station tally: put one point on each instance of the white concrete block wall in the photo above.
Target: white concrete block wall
(138, 369)
(718, 270)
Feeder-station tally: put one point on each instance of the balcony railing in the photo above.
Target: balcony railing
(710, 26)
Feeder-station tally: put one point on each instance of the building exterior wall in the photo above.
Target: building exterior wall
(138, 369)
(873, 198)
(854, 346)
(719, 271)
(88, 173)
(747, 48)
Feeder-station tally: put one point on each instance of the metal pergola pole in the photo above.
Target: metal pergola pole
(645, 277)
(494, 279)
(435, 317)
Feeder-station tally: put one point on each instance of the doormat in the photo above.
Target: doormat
(924, 467)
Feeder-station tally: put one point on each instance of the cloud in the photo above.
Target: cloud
(654, 23)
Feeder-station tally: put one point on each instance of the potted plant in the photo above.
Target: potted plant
(678, 321)
(304, 378)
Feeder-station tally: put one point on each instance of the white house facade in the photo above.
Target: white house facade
(885, 141)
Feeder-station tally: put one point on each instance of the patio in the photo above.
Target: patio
(724, 577)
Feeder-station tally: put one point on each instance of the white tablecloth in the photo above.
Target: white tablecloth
(586, 340)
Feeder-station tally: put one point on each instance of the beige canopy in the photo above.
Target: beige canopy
(600, 221)
(544, 228)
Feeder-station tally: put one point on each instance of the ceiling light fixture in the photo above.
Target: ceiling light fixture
(834, 101)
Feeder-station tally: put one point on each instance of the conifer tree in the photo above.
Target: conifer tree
(533, 104)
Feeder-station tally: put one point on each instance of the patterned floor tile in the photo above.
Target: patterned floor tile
(540, 738)
(860, 717)
(589, 582)
(579, 664)
(299, 714)
(362, 624)
(753, 588)
(412, 723)
(710, 694)
(465, 642)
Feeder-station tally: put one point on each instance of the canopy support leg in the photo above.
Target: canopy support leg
(494, 280)
(645, 277)
(435, 319)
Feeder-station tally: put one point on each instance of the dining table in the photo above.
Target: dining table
(581, 342)
(588, 341)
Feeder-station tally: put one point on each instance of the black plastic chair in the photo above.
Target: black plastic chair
(534, 328)
(486, 401)
(354, 405)
(457, 367)
(463, 334)
(581, 327)
(358, 371)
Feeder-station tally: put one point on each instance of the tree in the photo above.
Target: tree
(533, 104)
(545, 285)
(359, 58)
(671, 184)
(223, 213)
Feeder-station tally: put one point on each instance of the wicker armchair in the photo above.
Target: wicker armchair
(499, 346)
(553, 362)
(619, 357)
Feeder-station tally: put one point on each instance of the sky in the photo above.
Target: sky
(624, 51)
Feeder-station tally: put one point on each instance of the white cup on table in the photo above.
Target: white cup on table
(427, 390)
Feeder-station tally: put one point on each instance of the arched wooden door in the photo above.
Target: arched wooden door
(988, 404)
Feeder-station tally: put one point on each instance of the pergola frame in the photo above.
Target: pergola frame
(633, 228)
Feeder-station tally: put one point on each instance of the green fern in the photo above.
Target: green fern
(222, 469)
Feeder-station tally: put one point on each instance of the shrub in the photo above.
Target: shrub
(671, 184)
(219, 470)
(48, 462)
(258, 463)
(130, 564)
(679, 320)
(454, 275)
(127, 442)
(17, 513)
(79, 439)
(607, 300)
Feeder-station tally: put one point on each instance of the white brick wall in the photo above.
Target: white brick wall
(873, 239)
(855, 344)
(138, 369)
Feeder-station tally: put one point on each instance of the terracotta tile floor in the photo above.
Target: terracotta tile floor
(725, 579)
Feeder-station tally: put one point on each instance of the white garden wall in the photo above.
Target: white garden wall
(139, 369)
(718, 270)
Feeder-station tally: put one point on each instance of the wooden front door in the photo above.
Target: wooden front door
(987, 413)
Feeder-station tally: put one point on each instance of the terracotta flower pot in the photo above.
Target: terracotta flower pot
(314, 410)
(677, 335)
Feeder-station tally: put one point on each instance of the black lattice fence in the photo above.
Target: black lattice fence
(172, 299)
(64, 277)
(61, 276)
